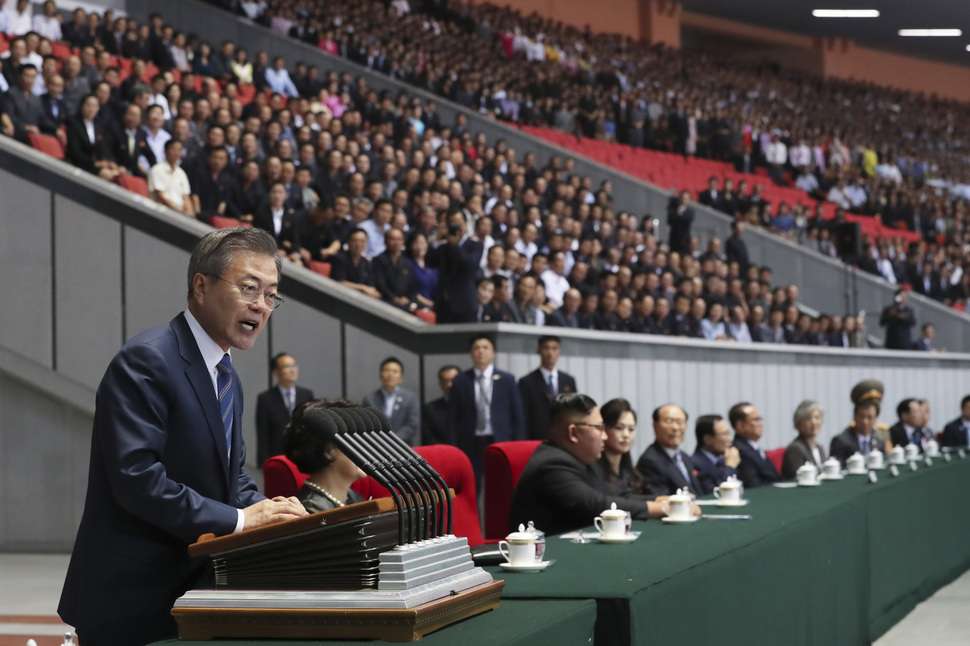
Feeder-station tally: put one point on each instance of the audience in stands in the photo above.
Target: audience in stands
(352, 165)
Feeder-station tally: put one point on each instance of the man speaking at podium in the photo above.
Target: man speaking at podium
(167, 450)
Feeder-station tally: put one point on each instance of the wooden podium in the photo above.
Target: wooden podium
(277, 572)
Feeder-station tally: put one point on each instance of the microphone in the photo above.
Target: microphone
(444, 492)
(405, 461)
(328, 424)
(354, 435)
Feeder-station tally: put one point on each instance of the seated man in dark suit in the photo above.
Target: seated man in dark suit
(755, 468)
(399, 405)
(434, 416)
(539, 387)
(558, 490)
(280, 222)
(392, 274)
(908, 430)
(274, 407)
(352, 269)
(715, 459)
(484, 406)
(859, 437)
(212, 186)
(957, 432)
(663, 465)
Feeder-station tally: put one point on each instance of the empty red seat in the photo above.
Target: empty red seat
(133, 184)
(426, 315)
(322, 268)
(503, 464)
(46, 144)
(220, 222)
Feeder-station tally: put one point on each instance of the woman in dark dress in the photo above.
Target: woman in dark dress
(426, 278)
(315, 453)
(616, 465)
(808, 422)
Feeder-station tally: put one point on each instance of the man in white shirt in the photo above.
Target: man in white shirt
(46, 24)
(155, 136)
(18, 19)
(167, 182)
(554, 278)
(776, 154)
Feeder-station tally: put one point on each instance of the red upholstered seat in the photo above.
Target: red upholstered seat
(322, 268)
(220, 222)
(426, 315)
(46, 144)
(281, 477)
(504, 462)
(456, 470)
(133, 184)
(775, 455)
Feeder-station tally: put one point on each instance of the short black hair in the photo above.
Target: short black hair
(546, 338)
(904, 406)
(737, 414)
(478, 337)
(392, 360)
(276, 357)
(452, 366)
(569, 404)
(307, 447)
(705, 427)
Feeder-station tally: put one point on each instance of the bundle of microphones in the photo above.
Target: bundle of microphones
(423, 500)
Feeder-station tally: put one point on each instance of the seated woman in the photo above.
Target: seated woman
(615, 465)
(808, 422)
(315, 453)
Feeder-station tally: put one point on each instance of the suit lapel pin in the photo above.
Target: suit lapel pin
(495, 377)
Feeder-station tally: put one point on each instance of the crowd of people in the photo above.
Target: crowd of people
(404, 208)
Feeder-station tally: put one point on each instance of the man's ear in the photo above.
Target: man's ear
(198, 286)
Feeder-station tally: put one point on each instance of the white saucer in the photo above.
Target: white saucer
(882, 467)
(835, 477)
(810, 484)
(861, 472)
(898, 464)
(680, 521)
(626, 538)
(725, 503)
(535, 567)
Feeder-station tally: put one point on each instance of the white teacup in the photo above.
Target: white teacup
(932, 448)
(912, 452)
(832, 467)
(807, 474)
(612, 522)
(857, 461)
(519, 548)
(897, 455)
(677, 506)
(874, 459)
(728, 491)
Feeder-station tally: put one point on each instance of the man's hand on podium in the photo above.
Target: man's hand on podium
(276, 510)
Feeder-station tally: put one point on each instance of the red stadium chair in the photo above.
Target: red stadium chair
(60, 51)
(246, 93)
(4, 45)
(775, 455)
(47, 144)
(456, 470)
(322, 268)
(504, 462)
(220, 222)
(426, 315)
(133, 184)
(281, 477)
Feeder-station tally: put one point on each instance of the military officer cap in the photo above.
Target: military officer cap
(868, 390)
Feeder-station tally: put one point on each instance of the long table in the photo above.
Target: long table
(835, 564)
(563, 622)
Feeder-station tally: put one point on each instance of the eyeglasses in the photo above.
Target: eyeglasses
(598, 427)
(250, 294)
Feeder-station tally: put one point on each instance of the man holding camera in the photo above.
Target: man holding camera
(457, 263)
(898, 319)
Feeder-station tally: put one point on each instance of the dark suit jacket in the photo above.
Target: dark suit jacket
(405, 417)
(271, 418)
(754, 470)
(508, 422)
(954, 434)
(536, 400)
(846, 444)
(288, 239)
(434, 422)
(899, 437)
(456, 300)
(798, 453)
(709, 475)
(661, 472)
(898, 330)
(51, 123)
(559, 493)
(117, 143)
(158, 479)
(80, 151)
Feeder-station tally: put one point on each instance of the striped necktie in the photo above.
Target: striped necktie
(224, 384)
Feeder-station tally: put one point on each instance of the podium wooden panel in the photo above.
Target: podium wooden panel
(328, 623)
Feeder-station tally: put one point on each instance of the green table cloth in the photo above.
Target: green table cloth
(835, 564)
